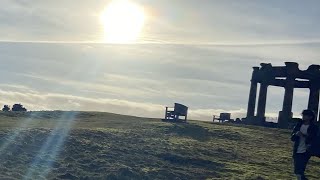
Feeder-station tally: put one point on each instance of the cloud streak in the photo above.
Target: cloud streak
(202, 77)
(38, 101)
(52, 55)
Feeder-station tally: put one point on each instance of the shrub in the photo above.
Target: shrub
(18, 107)
(6, 108)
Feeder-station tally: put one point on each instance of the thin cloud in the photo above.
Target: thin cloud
(51, 101)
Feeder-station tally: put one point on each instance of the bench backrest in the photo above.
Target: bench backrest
(225, 116)
(180, 109)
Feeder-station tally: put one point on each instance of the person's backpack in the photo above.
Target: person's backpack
(315, 146)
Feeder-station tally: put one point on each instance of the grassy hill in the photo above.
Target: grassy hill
(91, 145)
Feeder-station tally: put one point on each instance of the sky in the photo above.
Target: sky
(53, 56)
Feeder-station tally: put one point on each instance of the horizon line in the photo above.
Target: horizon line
(270, 43)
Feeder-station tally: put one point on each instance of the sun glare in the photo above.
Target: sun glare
(123, 21)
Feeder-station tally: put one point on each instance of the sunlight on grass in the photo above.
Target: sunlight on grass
(80, 145)
(43, 161)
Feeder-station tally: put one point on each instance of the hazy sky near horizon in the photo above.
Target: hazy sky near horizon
(52, 55)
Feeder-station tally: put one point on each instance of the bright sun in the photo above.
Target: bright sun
(123, 21)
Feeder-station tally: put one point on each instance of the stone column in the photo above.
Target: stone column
(252, 94)
(286, 112)
(285, 115)
(252, 99)
(262, 102)
(313, 103)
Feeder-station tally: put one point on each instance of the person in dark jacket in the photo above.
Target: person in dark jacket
(302, 135)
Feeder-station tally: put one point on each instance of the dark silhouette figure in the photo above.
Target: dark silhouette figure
(6, 108)
(18, 107)
(303, 135)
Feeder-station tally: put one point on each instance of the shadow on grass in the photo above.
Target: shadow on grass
(188, 161)
(200, 133)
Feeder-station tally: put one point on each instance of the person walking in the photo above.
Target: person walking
(302, 135)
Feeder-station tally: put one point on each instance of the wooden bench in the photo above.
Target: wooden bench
(174, 113)
(223, 117)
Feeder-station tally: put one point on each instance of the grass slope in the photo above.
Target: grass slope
(41, 145)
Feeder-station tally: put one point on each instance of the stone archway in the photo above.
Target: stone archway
(289, 77)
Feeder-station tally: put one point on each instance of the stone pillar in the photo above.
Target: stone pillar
(313, 103)
(252, 99)
(262, 101)
(252, 94)
(286, 112)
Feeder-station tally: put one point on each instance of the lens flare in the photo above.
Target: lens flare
(42, 163)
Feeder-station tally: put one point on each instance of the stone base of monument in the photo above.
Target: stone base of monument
(258, 121)
(284, 119)
(254, 121)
